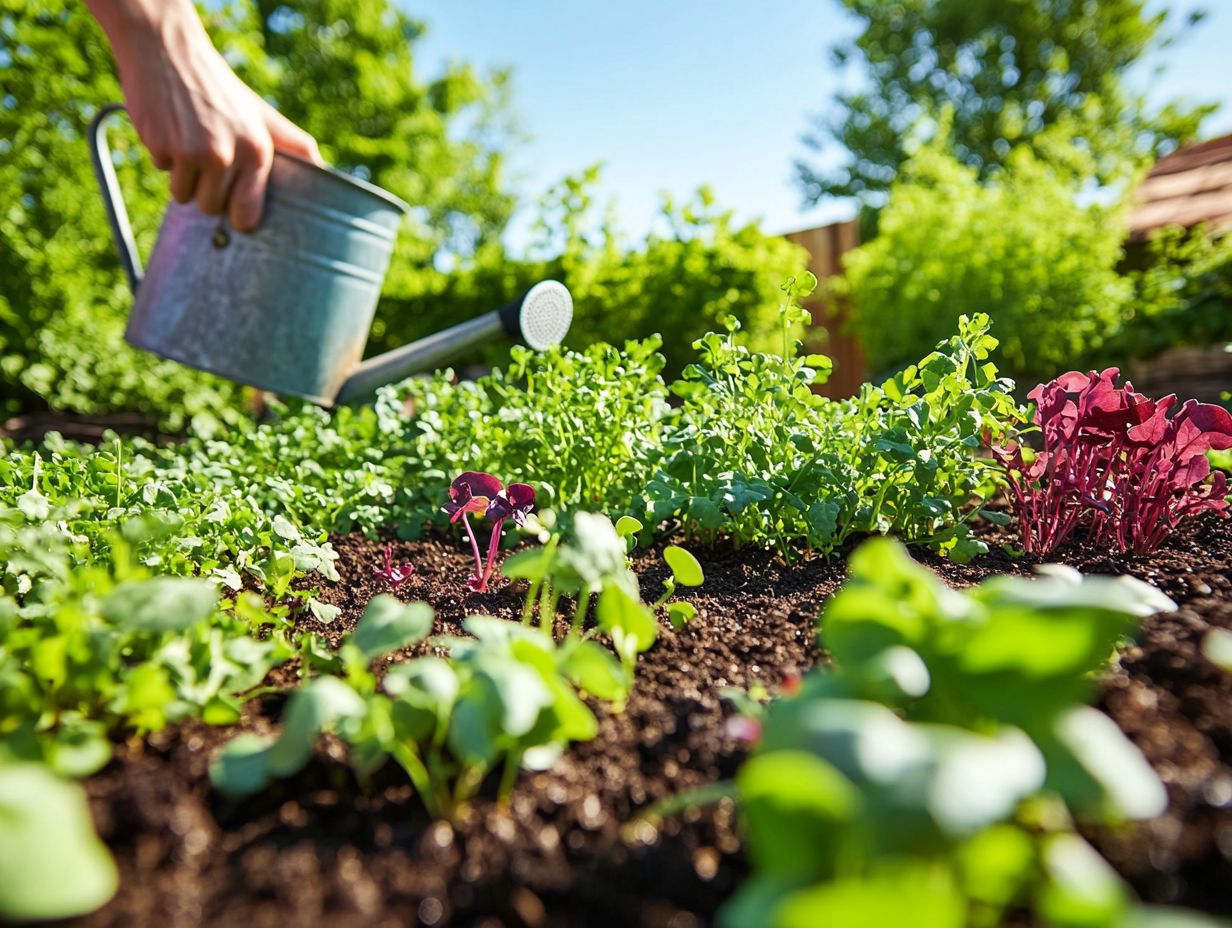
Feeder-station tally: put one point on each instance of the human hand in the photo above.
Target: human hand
(198, 120)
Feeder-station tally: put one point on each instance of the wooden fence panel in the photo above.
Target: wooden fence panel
(826, 246)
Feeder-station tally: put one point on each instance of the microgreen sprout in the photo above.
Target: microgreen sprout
(686, 571)
(394, 574)
(482, 494)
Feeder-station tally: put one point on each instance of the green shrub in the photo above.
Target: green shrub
(1021, 247)
(696, 268)
(1182, 295)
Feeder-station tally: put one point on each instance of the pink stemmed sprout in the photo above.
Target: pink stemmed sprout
(482, 494)
(743, 728)
(394, 574)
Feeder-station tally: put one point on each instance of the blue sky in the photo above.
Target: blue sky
(670, 94)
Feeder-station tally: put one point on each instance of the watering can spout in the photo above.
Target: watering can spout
(539, 318)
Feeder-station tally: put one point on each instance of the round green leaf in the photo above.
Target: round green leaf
(996, 864)
(705, 513)
(531, 565)
(79, 750)
(425, 691)
(680, 613)
(221, 710)
(476, 721)
(161, 604)
(627, 526)
(522, 691)
(595, 669)
(685, 568)
(242, 767)
(52, 865)
(796, 807)
(311, 710)
(574, 721)
(627, 619)
(389, 624)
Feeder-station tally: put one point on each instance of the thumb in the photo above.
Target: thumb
(290, 138)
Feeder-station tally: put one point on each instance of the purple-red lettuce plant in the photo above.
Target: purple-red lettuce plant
(394, 574)
(482, 494)
(1114, 462)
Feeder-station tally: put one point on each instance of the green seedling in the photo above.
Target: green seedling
(686, 571)
(92, 650)
(504, 700)
(932, 774)
(589, 564)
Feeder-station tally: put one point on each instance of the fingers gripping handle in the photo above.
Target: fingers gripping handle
(113, 199)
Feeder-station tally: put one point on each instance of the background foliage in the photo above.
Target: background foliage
(345, 70)
(992, 148)
(1008, 71)
(346, 77)
(697, 266)
(1020, 246)
(1182, 293)
(62, 304)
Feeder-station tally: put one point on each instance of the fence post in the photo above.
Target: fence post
(826, 245)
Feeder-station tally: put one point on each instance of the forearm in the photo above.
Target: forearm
(140, 27)
(198, 120)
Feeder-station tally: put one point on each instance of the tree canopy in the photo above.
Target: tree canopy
(1007, 70)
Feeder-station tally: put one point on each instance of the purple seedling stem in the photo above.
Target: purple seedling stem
(477, 492)
(393, 574)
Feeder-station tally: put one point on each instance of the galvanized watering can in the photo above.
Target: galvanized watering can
(288, 306)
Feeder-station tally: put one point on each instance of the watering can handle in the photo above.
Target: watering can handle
(113, 198)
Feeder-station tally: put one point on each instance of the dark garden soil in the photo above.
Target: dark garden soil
(34, 426)
(318, 850)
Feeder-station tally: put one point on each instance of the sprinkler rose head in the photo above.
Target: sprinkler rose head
(542, 317)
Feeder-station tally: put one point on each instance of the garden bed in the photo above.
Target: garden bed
(316, 849)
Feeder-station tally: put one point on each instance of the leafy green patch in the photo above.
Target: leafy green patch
(93, 644)
(759, 456)
(505, 699)
(930, 776)
(752, 453)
